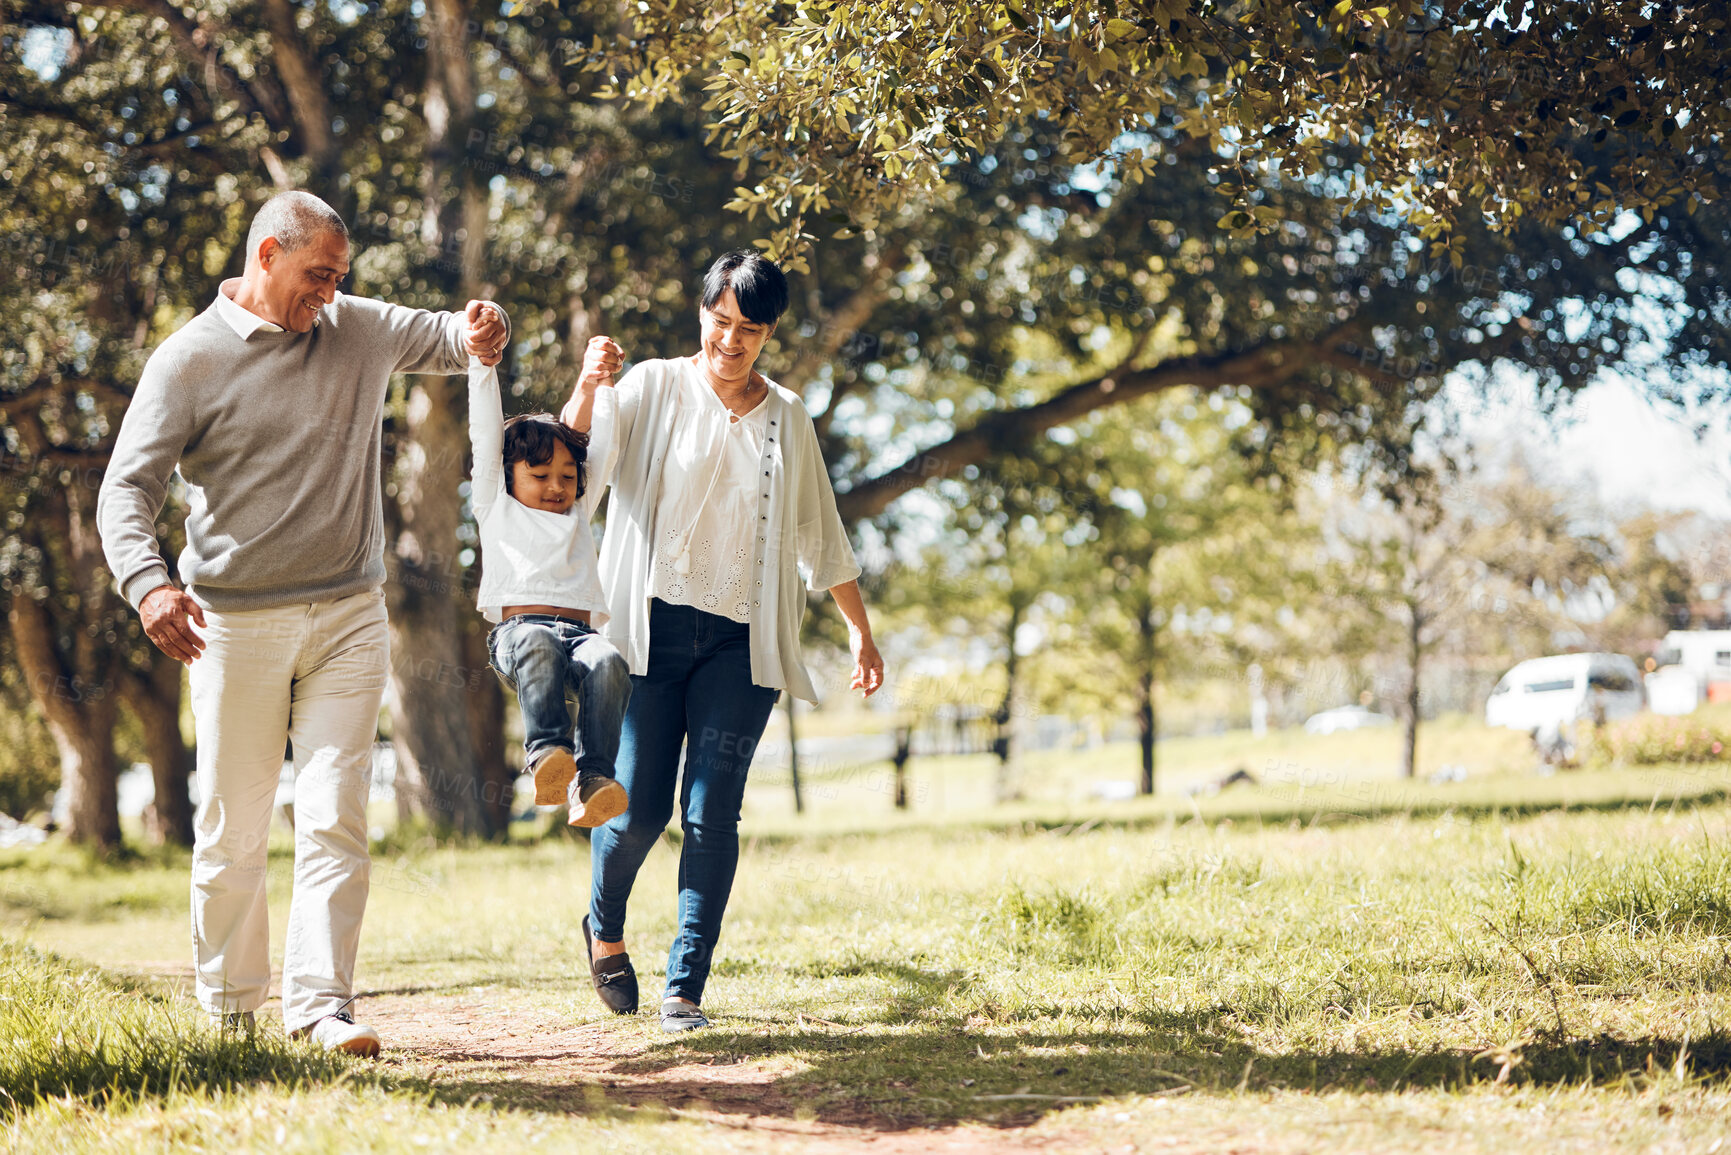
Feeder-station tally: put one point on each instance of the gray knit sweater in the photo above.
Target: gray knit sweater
(277, 436)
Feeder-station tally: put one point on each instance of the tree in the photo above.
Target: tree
(94, 257)
(1653, 583)
(1464, 108)
(1421, 559)
(1007, 543)
(491, 167)
(1177, 514)
(144, 108)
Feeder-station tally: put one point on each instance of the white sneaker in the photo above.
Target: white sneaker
(340, 1032)
(237, 1023)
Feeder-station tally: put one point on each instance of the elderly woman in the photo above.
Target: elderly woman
(719, 493)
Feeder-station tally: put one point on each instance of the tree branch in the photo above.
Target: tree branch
(201, 46)
(302, 87)
(835, 329)
(1258, 367)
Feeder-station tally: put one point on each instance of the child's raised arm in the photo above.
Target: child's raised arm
(486, 437)
(601, 359)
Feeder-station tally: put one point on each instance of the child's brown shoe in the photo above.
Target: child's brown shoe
(553, 771)
(596, 799)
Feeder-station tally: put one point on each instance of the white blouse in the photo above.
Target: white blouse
(706, 517)
(797, 531)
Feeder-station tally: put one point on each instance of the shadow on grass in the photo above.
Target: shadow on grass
(898, 1076)
(1274, 804)
(1390, 800)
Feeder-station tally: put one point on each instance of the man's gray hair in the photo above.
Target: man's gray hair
(294, 219)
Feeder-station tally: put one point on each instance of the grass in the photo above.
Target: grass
(843, 793)
(1335, 960)
(75, 1032)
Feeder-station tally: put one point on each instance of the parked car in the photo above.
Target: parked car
(1543, 695)
(1345, 718)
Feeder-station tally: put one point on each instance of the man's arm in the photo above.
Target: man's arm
(428, 341)
(153, 434)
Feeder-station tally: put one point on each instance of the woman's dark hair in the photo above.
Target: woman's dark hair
(757, 282)
(530, 437)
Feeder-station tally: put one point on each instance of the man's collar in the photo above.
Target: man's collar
(242, 320)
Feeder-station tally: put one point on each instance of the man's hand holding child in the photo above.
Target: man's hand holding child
(485, 339)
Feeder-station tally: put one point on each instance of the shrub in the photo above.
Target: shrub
(29, 763)
(1651, 739)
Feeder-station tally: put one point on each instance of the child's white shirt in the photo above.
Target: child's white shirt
(532, 556)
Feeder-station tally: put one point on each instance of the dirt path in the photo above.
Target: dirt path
(486, 1045)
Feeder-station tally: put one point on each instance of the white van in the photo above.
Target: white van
(1541, 695)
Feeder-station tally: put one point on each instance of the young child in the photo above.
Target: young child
(539, 582)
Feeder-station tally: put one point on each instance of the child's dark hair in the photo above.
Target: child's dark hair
(530, 437)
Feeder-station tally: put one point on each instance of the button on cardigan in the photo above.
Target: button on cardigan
(799, 530)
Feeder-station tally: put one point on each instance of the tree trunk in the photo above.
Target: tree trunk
(1146, 722)
(904, 752)
(1415, 654)
(793, 754)
(91, 773)
(80, 713)
(1145, 729)
(486, 702)
(155, 699)
(1004, 744)
(442, 763)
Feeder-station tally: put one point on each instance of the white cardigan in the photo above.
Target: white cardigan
(798, 528)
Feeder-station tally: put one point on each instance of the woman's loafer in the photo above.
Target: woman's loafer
(614, 977)
(677, 1017)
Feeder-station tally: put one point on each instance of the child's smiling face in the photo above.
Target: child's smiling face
(552, 485)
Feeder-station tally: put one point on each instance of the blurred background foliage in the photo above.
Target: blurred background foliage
(1100, 447)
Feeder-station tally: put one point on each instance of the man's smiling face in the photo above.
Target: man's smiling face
(296, 285)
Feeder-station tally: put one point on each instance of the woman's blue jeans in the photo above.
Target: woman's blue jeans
(697, 695)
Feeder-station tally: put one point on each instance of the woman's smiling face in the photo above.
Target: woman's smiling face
(731, 341)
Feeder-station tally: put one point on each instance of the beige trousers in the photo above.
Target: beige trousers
(312, 675)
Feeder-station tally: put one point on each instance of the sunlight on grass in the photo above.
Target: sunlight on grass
(72, 1031)
(1295, 958)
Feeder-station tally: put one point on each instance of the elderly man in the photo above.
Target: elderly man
(270, 403)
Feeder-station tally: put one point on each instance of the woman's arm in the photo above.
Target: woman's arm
(601, 359)
(868, 664)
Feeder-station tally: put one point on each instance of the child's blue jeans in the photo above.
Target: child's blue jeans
(542, 657)
(697, 696)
